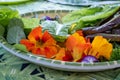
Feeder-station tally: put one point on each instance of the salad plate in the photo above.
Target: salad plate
(57, 64)
(85, 2)
(12, 1)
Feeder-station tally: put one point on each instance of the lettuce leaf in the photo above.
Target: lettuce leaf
(29, 24)
(2, 30)
(74, 16)
(15, 31)
(20, 47)
(59, 31)
(116, 52)
(6, 14)
(90, 16)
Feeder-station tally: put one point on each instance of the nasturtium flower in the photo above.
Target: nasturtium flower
(101, 47)
(77, 45)
(75, 48)
(68, 56)
(60, 54)
(41, 43)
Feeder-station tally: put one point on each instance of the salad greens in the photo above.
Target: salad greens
(90, 16)
(6, 14)
(74, 16)
(29, 24)
(13, 27)
(85, 17)
(116, 52)
(15, 31)
(2, 30)
(59, 31)
(20, 47)
(18, 28)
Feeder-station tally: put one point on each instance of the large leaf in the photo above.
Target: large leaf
(59, 31)
(15, 31)
(77, 14)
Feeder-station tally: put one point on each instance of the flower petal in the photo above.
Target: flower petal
(35, 34)
(70, 43)
(50, 51)
(74, 40)
(29, 45)
(80, 50)
(46, 36)
(101, 47)
(68, 56)
(77, 54)
(79, 39)
(39, 51)
(60, 54)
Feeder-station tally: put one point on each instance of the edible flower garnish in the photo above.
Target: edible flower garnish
(41, 43)
(77, 45)
(89, 59)
(101, 47)
(76, 48)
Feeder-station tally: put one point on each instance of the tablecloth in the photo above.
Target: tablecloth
(14, 68)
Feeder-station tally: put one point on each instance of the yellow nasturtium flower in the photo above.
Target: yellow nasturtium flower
(101, 47)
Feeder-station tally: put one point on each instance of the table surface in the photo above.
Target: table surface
(14, 68)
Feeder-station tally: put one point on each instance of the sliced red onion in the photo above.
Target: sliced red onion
(89, 59)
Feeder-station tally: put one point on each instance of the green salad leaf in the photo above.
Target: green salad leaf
(15, 31)
(59, 31)
(74, 16)
(90, 16)
(29, 24)
(82, 18)
(116, 52)
(2, 30)
(6, 14)
(20, 47)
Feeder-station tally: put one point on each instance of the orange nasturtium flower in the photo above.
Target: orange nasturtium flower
(41, 43)
(60, 54)
(77, 45)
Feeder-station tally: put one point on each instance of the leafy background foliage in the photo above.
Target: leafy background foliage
(14, 68)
